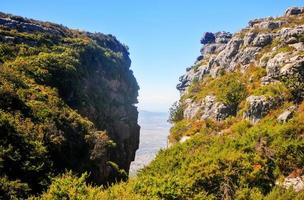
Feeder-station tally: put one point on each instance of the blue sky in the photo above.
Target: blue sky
(163, 35)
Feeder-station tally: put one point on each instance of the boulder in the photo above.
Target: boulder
(296, 183)
(194, 73)
(232, 48)
(262, 40)
(286, 115)
(270, 25)
(222, 37)
(293, 11)
(192, 109)
(291, 35)
(298, 46)
(251, 23)
(215, 110)
(214, 43)
(247, 55)
(212, 48)
(249, 37)
(294, 67)
(274, 64)
(224, 58)
(258, 107)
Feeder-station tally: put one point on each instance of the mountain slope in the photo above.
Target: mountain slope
(67, 103)
(239, 125)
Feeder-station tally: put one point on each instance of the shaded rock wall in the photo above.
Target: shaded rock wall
(77, 91)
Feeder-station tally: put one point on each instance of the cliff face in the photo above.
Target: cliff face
(67, 102)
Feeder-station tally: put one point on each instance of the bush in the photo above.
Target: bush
(273, 90)
(228, 88)
(295, 84)
(69, 186)
(176, 112)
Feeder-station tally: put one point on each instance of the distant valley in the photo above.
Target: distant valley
(153, 137)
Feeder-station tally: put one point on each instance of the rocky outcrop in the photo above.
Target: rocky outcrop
(258, 107)
(213, 109)
(294, 11)
(270, 43)
(296, 183)
(208, 108)
(213, 44)
(262, 40)
(243, 107)
(27, 25)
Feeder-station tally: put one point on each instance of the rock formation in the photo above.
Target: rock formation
(67, 103)
(265, 61)
(273, 44)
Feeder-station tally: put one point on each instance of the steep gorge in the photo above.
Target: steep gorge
(238, 127)
(67, 103)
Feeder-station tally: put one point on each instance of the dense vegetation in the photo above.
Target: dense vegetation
(51, 87)
(243, 163)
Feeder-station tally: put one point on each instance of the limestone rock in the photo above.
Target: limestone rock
(192, 109)
(291, 35)
(212, 48)
(215, 110)
(216, 44)
(297, 183)
(268, 80)
(247, 55)
(296, 66)
(253, 23)
(222, 37)
(293, 11)
(224, 58)
(271, 25)
(262, 40)
(274, 64)
(286, 115)
(259, 106)
(192, 74)
(249, 37)
(298, 46)
(27, 25)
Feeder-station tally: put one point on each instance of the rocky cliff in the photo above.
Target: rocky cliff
(67, 103)
(255, 75)
(272, 46)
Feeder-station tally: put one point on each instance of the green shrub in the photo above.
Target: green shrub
(295, 85)
(273, 90)
(228, 88)
(176, 112)
(69, 186)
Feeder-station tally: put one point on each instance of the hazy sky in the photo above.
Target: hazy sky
(163, 35)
